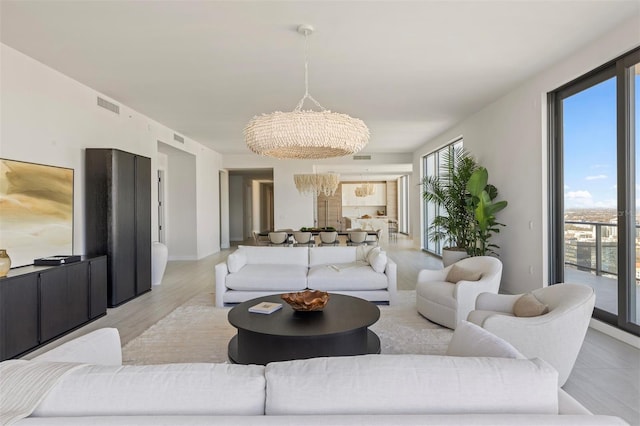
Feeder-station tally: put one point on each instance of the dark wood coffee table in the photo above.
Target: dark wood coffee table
(339, 330)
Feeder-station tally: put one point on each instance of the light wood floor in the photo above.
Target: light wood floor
(606, 378)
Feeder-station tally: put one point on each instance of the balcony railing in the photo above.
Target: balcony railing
(590, 254)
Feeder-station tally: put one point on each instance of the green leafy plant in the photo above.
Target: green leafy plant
(466, 199)
(449, 191)
(484, 209)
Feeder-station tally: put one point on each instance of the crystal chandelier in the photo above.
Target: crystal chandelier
(365, 190)
(306, 134)
(315, 184)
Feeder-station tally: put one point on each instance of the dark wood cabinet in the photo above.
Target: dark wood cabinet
(118, 218)
(18, 315)
(40, 303)
(53, 303)
(97, 287)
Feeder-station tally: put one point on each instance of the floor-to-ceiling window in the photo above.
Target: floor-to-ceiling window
(403, 204)
(431, 166)
(594, 221)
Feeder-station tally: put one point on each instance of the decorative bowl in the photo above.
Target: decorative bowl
(308, 300)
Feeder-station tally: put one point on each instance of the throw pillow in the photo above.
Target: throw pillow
(458, 273)
(236, 260)
(362, 253)
(472, 340)
(372, 253)
(528, 306)
(378, 260)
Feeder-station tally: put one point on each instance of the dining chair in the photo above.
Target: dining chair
(303, 238)
(328, 238)
(278, 238)
(356, 237)
(260, 240)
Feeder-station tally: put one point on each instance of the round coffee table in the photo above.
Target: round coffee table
(338, 330)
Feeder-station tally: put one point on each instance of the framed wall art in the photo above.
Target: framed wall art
(36, 211)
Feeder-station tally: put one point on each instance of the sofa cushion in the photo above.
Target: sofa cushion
(471, 340)
(528, 306)
(458, 273)
(362, 252)
(413, 384)
(331, 255)
(268, 277)
(170, 389)
(236, 260)
(377, 259)
(351, 276)
(276, 255)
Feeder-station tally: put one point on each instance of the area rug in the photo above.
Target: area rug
(199, 332)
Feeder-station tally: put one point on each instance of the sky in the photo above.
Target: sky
(590, 146)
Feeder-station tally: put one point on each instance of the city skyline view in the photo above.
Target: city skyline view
(589, 140)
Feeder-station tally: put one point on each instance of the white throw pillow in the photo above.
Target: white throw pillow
(472, 340)
(373, 252)
(362, 253)
(236, 260)
(378, 260)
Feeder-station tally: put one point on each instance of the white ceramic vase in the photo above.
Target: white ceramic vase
(5, 263)
(159, 256)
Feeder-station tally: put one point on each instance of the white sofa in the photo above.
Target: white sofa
(359, 390)
(360, 271)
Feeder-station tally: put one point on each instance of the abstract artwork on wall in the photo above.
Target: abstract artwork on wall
(36, 211)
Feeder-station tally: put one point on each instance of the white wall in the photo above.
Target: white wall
(49, 118)
(223, 187)
(291, 210)
(509, 138)
(208, 165)
(181, 222)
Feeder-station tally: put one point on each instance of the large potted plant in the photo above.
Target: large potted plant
(484, 209)
(453, 228)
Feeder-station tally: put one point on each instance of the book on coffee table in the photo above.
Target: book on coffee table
(265, 308)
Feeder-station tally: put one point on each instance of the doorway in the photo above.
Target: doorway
(251, 203)
(161, 204)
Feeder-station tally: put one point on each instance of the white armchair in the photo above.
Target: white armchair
(555, 337)
(446, 303)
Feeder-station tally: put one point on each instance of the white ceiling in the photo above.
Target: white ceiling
(409, 69)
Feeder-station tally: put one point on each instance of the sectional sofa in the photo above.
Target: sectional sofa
(252, 271)
(360, 390)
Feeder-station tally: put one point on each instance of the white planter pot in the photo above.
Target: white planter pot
(159, 256)
(451, 256)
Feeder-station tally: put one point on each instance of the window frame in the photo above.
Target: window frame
(626, 170)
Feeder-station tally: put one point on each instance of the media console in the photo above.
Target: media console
(41, 303)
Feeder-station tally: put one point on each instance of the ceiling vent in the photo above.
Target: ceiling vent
(178, 138)
(108, 105)
(362, 157)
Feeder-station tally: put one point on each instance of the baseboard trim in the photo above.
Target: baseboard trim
(182, 258)
(615, 332)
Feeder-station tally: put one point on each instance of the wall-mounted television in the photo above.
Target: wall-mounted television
(36, 211)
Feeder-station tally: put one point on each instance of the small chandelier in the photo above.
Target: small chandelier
(306, 134)
(365, 190)
(315, 184)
